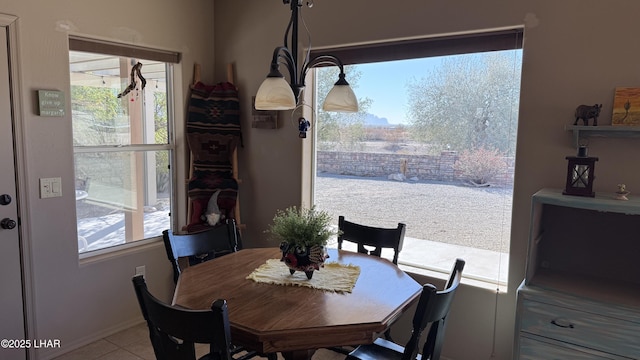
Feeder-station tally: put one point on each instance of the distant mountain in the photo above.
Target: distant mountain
(372, 120)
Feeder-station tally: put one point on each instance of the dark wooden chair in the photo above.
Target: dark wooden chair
(370, 240)
(375, 237)
(174, 331)
(433, 308)
(190, 249)
(194, 248)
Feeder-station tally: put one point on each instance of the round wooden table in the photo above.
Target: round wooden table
(297, 320)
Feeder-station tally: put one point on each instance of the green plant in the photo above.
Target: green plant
(302, 227)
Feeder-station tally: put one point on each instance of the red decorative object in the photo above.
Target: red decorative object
(306, 260)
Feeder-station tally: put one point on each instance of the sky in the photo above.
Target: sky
(386, 84)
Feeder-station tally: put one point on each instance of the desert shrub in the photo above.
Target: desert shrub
(480, 166)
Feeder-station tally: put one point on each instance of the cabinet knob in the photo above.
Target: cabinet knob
(563, 323)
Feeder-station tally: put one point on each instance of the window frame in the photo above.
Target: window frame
(171, 59)
(467, 43)
(504, 39)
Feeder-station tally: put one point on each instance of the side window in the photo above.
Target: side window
(120, 103)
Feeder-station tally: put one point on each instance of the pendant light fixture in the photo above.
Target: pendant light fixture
(276, 93)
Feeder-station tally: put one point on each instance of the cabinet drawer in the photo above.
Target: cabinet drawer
(531, 349)
(588, 330)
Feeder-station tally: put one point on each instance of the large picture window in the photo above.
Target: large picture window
(433, 146)
(122, 121)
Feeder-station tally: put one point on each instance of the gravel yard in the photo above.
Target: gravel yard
(479, 217)
(452, 213)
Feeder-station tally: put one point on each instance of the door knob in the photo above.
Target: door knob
(5, 199)
(7, 223)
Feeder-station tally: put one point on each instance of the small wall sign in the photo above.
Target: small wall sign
(50, 103)
(263, 119)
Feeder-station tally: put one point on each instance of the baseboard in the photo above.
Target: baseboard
(48, 354)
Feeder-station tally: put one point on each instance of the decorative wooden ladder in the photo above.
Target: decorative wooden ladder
(234, 156)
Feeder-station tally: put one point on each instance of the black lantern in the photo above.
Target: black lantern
(580, 174)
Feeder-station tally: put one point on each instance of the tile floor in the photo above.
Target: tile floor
(134, 344)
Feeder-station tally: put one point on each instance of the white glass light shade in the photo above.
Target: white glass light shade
(275, 94)
(341, 99)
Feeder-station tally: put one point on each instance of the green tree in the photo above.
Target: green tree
(340, 130)
(100, 102)
(161, 137)
(469, 101)
(94, 109)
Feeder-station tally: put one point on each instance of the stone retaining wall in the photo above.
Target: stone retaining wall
(423, 167)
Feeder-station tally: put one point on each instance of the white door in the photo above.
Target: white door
(11, 305)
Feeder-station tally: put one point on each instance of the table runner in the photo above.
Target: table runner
(332, 277)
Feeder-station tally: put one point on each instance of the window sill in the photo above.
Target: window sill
(109, 253)
(441, 274)
(484, 269)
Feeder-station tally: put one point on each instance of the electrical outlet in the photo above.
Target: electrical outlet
(140, 270)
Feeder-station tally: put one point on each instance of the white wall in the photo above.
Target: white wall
(575, 52)
(72, 301)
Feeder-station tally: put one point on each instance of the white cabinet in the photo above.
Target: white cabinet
(580, 298)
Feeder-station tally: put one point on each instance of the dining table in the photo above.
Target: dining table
(298, 320)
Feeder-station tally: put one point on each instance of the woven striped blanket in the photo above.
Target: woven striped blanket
(213, 134)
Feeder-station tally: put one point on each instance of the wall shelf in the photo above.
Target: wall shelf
(583, 132)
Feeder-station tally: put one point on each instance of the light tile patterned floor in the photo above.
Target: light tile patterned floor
(134, 344)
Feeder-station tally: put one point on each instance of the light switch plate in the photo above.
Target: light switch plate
(50, 187)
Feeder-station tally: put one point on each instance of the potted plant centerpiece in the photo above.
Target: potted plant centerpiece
(303, 234)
